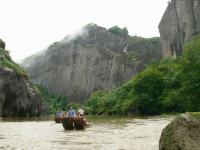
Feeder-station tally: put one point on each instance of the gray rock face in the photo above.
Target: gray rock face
(18, 97)
(78, 65)
(183, 133)
(179, 23)
(2, 44)
(93, 60)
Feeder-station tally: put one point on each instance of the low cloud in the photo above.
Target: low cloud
(83, 32)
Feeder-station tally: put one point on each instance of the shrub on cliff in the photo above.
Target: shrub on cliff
(118, 31)
(6, 61)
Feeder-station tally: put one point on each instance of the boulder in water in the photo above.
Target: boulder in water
(183, 133)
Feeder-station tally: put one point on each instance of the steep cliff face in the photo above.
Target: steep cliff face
(18, 97)
(2, 44)
(78, 65)
(179, 23)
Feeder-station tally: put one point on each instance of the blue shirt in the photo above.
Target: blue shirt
(71, 113)
(58, 114)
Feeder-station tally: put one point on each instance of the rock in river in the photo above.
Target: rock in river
(183, 133)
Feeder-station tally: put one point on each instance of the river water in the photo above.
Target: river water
(105, 133)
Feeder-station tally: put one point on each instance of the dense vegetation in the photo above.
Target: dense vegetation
(144, 49)
(118, 31)
(173, 85)
(55, 102)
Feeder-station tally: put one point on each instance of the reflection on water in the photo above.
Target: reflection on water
(106, 133)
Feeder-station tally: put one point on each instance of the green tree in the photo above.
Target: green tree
(182, 89)
(148, 89)
(190, 88)
(55, 102)
(118, 31)
(94, 104)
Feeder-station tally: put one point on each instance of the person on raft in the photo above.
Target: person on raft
(58, 114)
(81, 115)
(80, 112)
(71, 112)
(63, 114)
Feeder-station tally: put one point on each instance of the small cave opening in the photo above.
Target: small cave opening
(8, 110)
(10, 106)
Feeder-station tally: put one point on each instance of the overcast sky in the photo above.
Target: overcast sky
(29, 26)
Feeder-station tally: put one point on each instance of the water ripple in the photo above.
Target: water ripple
(105, 134)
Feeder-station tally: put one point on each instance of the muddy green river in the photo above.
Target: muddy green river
(105, 133)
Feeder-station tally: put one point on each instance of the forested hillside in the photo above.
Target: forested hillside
(173, 85)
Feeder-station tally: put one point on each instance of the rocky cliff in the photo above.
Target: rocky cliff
(93, 59)
(179, 23)
(183, 133)
(18, 97)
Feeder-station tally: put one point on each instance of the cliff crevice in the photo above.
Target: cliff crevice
(179, 23)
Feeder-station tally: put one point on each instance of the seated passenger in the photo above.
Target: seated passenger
(71, 112)
(80, 112)
(58, 114)
(63, 113)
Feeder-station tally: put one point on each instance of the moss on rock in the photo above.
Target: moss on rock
(18, 95)
(6, 61)
(183, 133)
(195, 115)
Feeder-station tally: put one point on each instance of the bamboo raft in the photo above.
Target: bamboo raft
(71, 123)
(58, 119)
